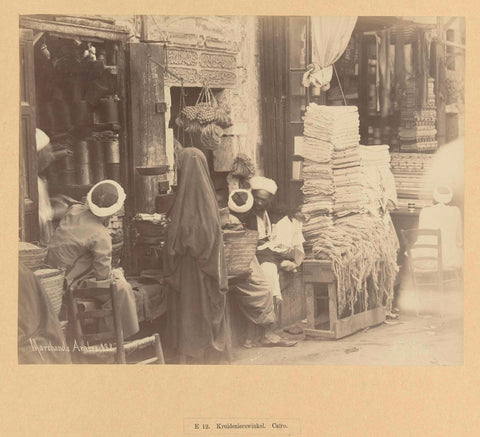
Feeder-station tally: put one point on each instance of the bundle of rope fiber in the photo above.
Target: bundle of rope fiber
(361, 247)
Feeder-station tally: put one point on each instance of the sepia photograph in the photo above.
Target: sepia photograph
(241, 190)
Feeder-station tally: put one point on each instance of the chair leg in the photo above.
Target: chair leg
(158, 349)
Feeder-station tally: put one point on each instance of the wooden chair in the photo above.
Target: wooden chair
(426, 267)
(107, 344)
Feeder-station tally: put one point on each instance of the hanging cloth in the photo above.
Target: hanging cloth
(400, 69)
(422, 65)
(386, 73)
(330, 37)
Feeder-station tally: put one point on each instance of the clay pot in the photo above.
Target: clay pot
(97, 171)
(107, 111)
(81, 153)
(112, 171)
(81, 116)
(95, 92)
(111, 150)
(83, 174)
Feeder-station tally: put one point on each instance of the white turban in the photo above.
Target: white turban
(100, 211)
(262, 183)
(235, 207)
(41, 139)
(442, 194)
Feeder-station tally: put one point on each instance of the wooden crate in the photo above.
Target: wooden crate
(293, 308)
(320, 272)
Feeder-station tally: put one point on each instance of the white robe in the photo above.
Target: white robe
(286, 238)
(448, 220)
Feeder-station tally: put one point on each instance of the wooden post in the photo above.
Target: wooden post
(158, 349)
(120, 355)
(310, 301)
(332, 304)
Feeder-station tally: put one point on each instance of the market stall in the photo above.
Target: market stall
(393, 74)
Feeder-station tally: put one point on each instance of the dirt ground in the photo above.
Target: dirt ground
(429, 339)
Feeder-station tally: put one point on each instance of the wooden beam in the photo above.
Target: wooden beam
(320, 334)
(37, 37)
(450, 43)
(72, 29)
(357, 322)
(449, 23)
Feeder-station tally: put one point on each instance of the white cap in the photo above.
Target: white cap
(41, 139)
(233, 206)
(262, 183)
(112, 209)
(442, 194)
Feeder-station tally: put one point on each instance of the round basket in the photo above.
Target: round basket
(30, 255)
(52, 282)
(240, 249)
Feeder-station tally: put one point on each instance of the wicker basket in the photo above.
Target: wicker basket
(52, 282)
(30, 255)
(240, 248)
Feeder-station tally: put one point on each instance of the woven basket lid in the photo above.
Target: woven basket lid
(23, 246)
(45, 273)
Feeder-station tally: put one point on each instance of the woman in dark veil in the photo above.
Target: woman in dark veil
(195, 263)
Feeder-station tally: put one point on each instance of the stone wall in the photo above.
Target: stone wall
(222, 50)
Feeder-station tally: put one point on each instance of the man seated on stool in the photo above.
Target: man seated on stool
(280, 244)
(83, 246)
(257, 293)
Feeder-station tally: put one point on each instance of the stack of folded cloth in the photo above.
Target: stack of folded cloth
(376, 173)
(331, 171)
(417, 131)
(409, 170)
(347, 178)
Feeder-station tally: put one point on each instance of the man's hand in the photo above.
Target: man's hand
(288, 266)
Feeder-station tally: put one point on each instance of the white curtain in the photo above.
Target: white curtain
(330, 36)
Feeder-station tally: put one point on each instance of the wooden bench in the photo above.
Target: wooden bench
(320, 272)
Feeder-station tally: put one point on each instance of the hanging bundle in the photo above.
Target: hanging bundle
(243, 167)
(206, 117)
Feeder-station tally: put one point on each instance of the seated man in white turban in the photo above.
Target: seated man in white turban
(448, 219)
(281, 243)
(256, 294)
(83, 246)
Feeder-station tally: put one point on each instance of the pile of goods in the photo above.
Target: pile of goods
(331, 171)
(206, 118)
(417, 131)
(377, 176)
(410, 171)
(361, 248)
